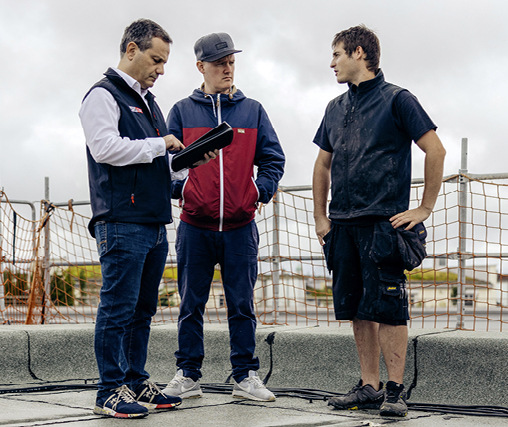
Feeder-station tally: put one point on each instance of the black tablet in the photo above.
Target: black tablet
(217, 138)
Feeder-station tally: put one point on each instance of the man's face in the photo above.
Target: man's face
(345, 67)
(146, 66)
(218, 75)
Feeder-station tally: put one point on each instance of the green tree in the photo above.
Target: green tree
(82, 281)
(62, 290)
(15, 284)
(453, 295)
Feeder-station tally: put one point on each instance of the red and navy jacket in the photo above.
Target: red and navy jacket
(223, 194)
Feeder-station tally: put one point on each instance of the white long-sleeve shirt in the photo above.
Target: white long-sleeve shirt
(99, 116)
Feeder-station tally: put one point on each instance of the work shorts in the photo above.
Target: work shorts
(368, 273)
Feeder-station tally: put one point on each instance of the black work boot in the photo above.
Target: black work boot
(394, 404)
(359, 397)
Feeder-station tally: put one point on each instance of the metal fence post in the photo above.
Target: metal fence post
(275, 257)
(461, 307)
(45, 262)
(2, 284)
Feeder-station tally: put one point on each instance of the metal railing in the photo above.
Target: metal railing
(279, 251)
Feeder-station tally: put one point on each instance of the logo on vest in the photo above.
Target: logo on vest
(136, 109)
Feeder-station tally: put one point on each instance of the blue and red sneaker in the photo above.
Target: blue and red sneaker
(151, 396)
(120, 403)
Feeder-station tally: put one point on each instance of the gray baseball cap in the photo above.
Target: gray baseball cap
(214, 46)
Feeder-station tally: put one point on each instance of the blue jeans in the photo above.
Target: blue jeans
(132, 260)
(198, 251)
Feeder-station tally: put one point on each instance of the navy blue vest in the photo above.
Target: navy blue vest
(371, 161)
(139, 193)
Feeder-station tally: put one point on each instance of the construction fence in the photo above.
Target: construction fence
(50, 272)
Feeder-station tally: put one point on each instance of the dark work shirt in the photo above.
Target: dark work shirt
(369, 130)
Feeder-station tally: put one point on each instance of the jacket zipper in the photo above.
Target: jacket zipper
(347, 124)
(134, 186)
(221, 170)
(153, 120)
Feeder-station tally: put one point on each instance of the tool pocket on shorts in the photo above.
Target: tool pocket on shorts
(392, 298)
(412, 245)
(384, 249)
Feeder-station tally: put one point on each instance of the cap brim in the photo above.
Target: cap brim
(218, 56)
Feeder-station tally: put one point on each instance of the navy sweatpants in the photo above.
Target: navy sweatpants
(198, 251)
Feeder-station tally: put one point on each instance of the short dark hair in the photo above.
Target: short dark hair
(364, 37)
(142, 32)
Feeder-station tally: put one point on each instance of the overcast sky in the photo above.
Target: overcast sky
(452, 54)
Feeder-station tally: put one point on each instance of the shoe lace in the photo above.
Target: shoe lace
(122, 393)
(256, 382)
(177, 380)
(354, 389)
(392, 396)
(151, 389)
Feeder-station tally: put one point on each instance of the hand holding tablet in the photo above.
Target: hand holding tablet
(215, 139)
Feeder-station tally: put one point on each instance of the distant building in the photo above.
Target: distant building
(502, 297)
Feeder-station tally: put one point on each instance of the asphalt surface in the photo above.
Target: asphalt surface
(48, 374)
(74, 408)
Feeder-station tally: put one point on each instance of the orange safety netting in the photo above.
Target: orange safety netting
(50, 271)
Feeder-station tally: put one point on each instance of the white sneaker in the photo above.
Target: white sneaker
(183, 387)
(252, 388)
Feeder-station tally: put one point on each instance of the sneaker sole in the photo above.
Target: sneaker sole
(392, 413)
(356, 407)
(112, 413)
(239, 394)
(192, 394)
(156, 406)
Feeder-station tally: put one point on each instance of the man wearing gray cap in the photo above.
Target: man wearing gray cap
(217, 226)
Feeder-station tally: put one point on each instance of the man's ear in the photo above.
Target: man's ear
(131, 50)
(201, 67)
(359, 53)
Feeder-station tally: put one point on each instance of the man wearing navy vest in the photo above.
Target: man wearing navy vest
(130, 190)
(364, 145)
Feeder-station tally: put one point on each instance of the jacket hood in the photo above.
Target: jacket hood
(234, 96)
